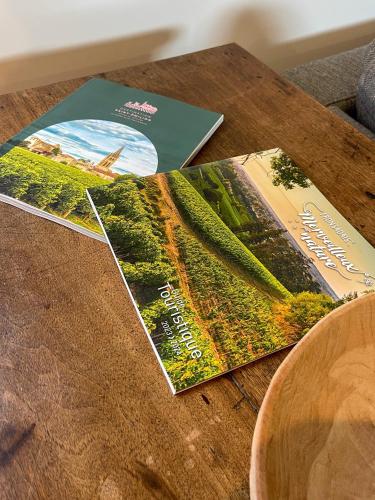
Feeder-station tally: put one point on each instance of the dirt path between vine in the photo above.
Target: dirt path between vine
(175, 219)
(172, 219)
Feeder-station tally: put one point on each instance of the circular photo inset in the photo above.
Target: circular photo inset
(103, 148)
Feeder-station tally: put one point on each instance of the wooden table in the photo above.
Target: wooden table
(85, 409)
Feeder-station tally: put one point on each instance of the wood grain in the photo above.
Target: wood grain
(315, 437)
(85, 410)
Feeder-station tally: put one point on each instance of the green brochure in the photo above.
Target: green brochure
(101, 131)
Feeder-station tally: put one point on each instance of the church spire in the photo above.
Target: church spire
(106, 163)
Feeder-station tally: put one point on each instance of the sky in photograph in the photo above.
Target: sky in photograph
(287, 204)
(94, 139)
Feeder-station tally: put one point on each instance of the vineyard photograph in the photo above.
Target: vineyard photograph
(50, 186)
(247, 290)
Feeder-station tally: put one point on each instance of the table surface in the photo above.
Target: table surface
(85, 409)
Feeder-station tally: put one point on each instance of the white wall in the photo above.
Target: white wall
(42, 41)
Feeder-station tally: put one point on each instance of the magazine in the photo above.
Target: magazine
(99, 132)
(230, 261)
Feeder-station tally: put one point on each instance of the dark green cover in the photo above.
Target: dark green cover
(176, 129)
(103, 131)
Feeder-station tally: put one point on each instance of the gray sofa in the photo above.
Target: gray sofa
(333, 81)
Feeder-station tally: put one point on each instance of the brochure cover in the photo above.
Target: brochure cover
(230, 261)
(101, 131)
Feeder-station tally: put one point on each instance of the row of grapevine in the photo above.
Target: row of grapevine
(134, 231)
(45, 184)
(181, 368)
(239, 317)
(39, 164)
(212, 229)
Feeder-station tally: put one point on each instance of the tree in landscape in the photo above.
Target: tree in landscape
(70, 195)
(84, 209)
(262, 236)
(43, 192)
(287, 173)
(14, 184)
(307, 308)
(149, 273)
(135, 240)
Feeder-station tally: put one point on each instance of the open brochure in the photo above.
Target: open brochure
(99, 132)
(230, 261)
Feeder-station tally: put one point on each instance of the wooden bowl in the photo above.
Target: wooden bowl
(315, 434)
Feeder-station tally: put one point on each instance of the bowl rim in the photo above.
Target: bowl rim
(258, 486)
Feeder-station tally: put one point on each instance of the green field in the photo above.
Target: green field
(51, 186)
(239, 318)
(243, 213)
(39, 165)
(211, 228)
(213, 187)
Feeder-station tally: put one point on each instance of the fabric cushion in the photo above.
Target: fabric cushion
(331, 79)
(366, 90)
